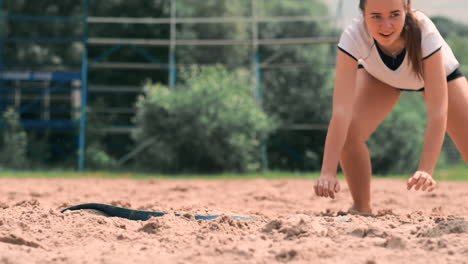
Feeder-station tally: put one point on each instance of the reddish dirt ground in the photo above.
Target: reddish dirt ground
(296, 226)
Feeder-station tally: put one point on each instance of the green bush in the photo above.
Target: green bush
(298, 96)
(211, 123)
(98, 158)
(396, 146)
(97, 153)
(13, 141)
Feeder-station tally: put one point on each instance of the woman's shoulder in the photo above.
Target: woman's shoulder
(431, 40)
(424, 21)
(357, 29)
(356, 25)
(356, 39)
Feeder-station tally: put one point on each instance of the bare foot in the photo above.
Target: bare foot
(364, 212)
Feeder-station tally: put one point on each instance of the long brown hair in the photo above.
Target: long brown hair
(412, 36)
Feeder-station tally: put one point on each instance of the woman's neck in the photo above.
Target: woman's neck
(393, 49)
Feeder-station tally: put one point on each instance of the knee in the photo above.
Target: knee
(354, 140)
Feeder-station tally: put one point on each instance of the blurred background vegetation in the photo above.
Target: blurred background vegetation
(212, 121)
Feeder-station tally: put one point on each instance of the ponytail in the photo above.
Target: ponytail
(412, 35)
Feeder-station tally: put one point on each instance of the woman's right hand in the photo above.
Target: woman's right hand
(327, 186)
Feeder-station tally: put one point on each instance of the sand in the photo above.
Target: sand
(295, 226)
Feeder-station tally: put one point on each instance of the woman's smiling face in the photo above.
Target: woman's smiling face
(385, 20)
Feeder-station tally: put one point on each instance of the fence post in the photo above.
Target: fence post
(256, 69)
(84, 89)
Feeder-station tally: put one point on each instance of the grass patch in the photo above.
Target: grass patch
(132, 175)
(454, 173)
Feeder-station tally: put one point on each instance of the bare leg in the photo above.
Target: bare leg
(374, 101)
(457, 118)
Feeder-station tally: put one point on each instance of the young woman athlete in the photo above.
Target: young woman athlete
(389, 49)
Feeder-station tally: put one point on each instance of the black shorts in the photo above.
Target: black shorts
(454, 75)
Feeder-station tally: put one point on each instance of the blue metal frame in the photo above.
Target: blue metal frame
(172, 70)
(39, 76)
(106, 54)
(140, 51)
(85, 65)
(62, 78)
(37, 99)
(172, 47)
(143, 52)
(2, 84)
(84, 88)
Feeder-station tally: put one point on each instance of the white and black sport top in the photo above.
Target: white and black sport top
(359, 44)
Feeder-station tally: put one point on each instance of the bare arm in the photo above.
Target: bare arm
(343, 100)
(436, 96)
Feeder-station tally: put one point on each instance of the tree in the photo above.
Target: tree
(209, 124)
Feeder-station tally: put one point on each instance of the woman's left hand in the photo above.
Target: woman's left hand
(421, 179)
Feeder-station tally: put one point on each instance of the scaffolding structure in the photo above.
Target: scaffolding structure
(79, 80)
(33, 93)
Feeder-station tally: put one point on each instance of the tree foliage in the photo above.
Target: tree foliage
(396, 145)
(210, 124)
(296, 81)
(456, 35)
(13, 141)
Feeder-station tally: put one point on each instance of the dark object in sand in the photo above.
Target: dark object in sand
(131, 214)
